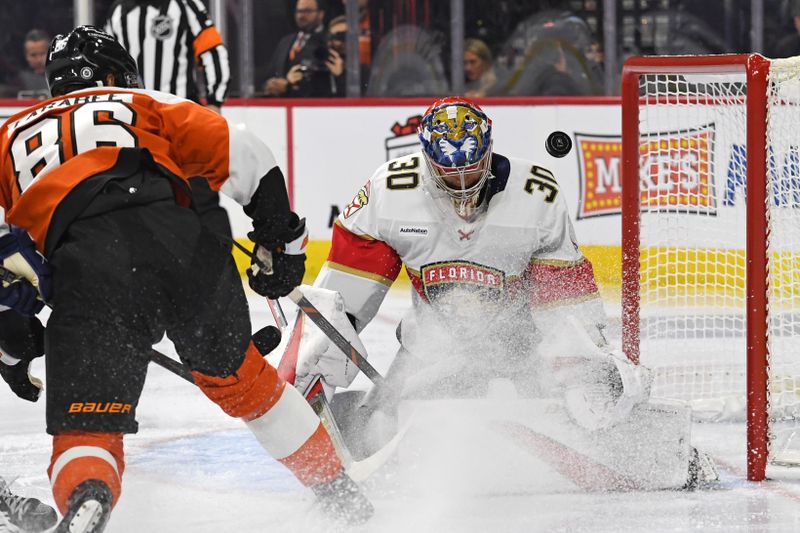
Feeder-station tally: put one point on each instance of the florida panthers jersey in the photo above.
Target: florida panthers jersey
(47, 150)
(518, 256)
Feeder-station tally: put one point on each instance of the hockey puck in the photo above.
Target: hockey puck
(558, 144)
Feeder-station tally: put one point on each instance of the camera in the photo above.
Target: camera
(316, 63)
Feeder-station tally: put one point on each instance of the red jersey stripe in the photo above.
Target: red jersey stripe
(368, 255)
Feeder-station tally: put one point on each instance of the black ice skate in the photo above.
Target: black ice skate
(342, 500)
(24, 514)
(89, 508)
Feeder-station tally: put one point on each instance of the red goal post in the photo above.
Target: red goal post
(675, 117)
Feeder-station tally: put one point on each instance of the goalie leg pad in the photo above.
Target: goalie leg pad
(651, 446)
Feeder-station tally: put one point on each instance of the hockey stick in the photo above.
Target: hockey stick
(170, 364)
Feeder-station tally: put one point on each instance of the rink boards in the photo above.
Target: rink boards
(329, 148)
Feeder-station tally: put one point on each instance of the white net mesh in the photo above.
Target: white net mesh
(783, 187)
(693, 165)
(692, 181)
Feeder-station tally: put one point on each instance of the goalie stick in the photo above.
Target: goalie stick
(315, 396)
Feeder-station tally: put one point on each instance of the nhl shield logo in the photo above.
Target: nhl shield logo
(162, 27)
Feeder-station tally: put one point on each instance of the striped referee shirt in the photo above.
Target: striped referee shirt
(167, 38)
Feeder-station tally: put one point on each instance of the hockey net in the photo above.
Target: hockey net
(711, 237)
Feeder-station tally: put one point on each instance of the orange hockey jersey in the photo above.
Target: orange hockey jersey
(50, 148)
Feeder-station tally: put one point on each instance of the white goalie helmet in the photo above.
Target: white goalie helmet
(456, 137)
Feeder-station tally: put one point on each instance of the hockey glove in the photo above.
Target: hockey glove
(21, 341)
(17, 376)
(277, 268)
(26, 279)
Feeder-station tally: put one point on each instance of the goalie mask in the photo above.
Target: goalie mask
(84, 58)
(456, 138)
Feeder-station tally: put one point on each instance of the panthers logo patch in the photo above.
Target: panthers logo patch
(359, 200)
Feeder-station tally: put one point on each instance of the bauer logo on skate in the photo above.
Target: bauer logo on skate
(100, 407)
(675, 172)
(438, 277)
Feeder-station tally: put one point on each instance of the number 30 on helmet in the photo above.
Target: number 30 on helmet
(84, 58)
(456, 137)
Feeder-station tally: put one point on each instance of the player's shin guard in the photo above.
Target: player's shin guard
(278, 415)
(79, 457)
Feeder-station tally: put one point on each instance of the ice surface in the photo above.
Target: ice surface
(192, 469)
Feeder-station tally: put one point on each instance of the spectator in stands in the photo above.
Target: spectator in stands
(298, 65)
(478, 69)
(337, 51)
(31, 82)
(790, 44)
(554, 79)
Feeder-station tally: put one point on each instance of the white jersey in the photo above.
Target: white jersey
(516, 259)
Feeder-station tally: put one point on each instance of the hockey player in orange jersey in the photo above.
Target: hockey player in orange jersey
(96, 180)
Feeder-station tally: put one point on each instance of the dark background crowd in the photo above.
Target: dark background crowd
(510, 47)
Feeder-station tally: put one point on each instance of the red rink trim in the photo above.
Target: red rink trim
(368, 255)
(552, 283)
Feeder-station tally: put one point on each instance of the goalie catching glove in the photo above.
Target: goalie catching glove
(26, 282)
(278, 266)
(601, 386)
(605, 390)
(314, 354)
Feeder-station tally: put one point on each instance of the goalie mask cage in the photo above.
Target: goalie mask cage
(711, 237)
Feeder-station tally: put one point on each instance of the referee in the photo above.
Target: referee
(168, 38)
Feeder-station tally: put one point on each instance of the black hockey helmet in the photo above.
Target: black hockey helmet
(84, 57)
